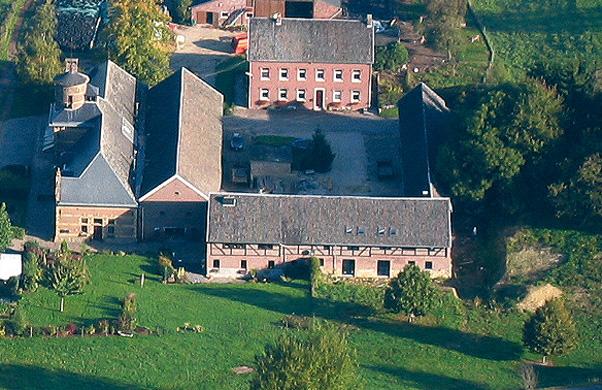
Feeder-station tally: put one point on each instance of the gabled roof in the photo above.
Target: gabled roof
(183, 134)
(421, 114)
(329, 220)
(118, 87)
(332, 41)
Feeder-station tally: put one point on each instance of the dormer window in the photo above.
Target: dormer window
(348, 230)
(381, 231)
(361, 230)
(392, 231)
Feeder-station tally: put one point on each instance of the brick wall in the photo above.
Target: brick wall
(310, 85)
(80, 223)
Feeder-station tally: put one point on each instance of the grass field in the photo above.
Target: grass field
(525, 32)
(465, 348)
(9, 12)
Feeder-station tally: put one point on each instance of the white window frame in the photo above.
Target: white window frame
(356, 76)
(323, 78)
(280, 98)
(299, 77)
(261, 93)
(334, 75)
(283, 74)
(224, 14)
(268, 73)
(358, 99)
(334, 96)
(299, 92)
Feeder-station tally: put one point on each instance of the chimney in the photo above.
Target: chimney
(71, 65)
(369, 23)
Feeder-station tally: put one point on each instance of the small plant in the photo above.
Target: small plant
(70, 329)
(90, 330)
(316, 277)
(166, 268)
(127, 319)
(17, 324)
(103, 327)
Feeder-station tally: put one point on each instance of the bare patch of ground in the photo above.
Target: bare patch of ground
(537, 296)
(530, 263)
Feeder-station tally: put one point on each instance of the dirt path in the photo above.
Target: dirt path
(8, 74)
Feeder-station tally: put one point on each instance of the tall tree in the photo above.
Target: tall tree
(40, 56)
(138, 38)
(412, 292)
(551, 331)
(6, 228)
(445, 19)
(68, 275)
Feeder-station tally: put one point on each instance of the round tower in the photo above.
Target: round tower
(71, 86)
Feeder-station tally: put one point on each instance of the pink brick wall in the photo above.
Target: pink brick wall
(323, 10)
(310, 85)
(364, 266)
(175, 191)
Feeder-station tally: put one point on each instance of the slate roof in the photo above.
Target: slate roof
(322, 220)
(422, 113)
(183, 133)
(333, 41)
(70, 79)
(99, 170)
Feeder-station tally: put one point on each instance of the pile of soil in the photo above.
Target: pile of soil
(537, 296)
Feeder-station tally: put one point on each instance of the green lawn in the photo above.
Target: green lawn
(9, 12)
(465, 348)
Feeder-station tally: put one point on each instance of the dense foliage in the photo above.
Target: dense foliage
(445, 19)
(319, 155)
(551, 331)
(319, 358)
(391, 57)
(6, 230)
(138, 39)
(180, 10)
(67, 275)
(411, 292)
(127, 321)
(40, 55)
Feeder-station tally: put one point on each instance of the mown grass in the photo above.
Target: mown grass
(463, 348)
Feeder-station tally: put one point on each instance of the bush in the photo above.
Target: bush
(17, 324)
(319, 358)
(315, 275)
(412, 292)
(391, 57)
(166, 268)
(32, 271)
(319, 156)
(127, 319)
(9, 288)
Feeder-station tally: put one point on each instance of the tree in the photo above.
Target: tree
(320, 156)
(6, 228)
(32, 271)
(319, 358)
(446, 17)
(67, 275)
(412, 292)
(180, 10)
(138, 39)
(127, 319)
(40, 56)
(391, 57)
(550, 331)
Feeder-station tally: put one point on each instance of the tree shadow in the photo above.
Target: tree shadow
(426, 380)
(479, 346)
(15, 376)
(568, 375)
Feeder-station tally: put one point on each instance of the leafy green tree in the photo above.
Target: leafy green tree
(67, 275)
(40, 56)
(6, 228)
(445, 20)
(391, 57)
(32, 271)
(180, 10)
(319, 358)
(138, 39)
(412, 292)
(551, 331)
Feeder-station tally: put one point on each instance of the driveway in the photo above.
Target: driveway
(203, 49)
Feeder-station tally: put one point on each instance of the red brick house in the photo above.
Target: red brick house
(352, 236)
(182, 154)
(319, 64)
(222, 13)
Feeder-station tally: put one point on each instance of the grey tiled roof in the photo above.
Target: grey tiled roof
(73, 118)
(118, 87)
(421, 114)
(322, 220)
(184, 133)
(311, 40)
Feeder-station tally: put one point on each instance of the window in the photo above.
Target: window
(64, 230)
(353, 248)
(216, 263)
(271, 264)
(381, 231)
(392, 231)
(337, 96)
(302, 74)
(97, 221)
(243, 264)
(338, 75)
(428, 265)
(234, 246)
(84, 228)
(355, 96)
(321, 262)
(301, 95)
(265, 73)
(84, 220)
(265, 246)
(361, 230)
(383, 268)
(283, 74)
(356, 76)
(349, 267)
(326, 247)
(283, 94)
(319, 74)
(111, 222)
(264, 94)
(224, 14)
(348, 230)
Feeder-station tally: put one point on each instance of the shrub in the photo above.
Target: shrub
(319, 358)
(32, 271)
(17, 324)
(6, 228)
(296, 322)
(412, 292)
(67, 275)
(166, 269)
(10, 287)
(391, 57)
(103, 327)
(315, 275)
(127, 319)
(551, 330)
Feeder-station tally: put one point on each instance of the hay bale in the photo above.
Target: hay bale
(537, 296)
